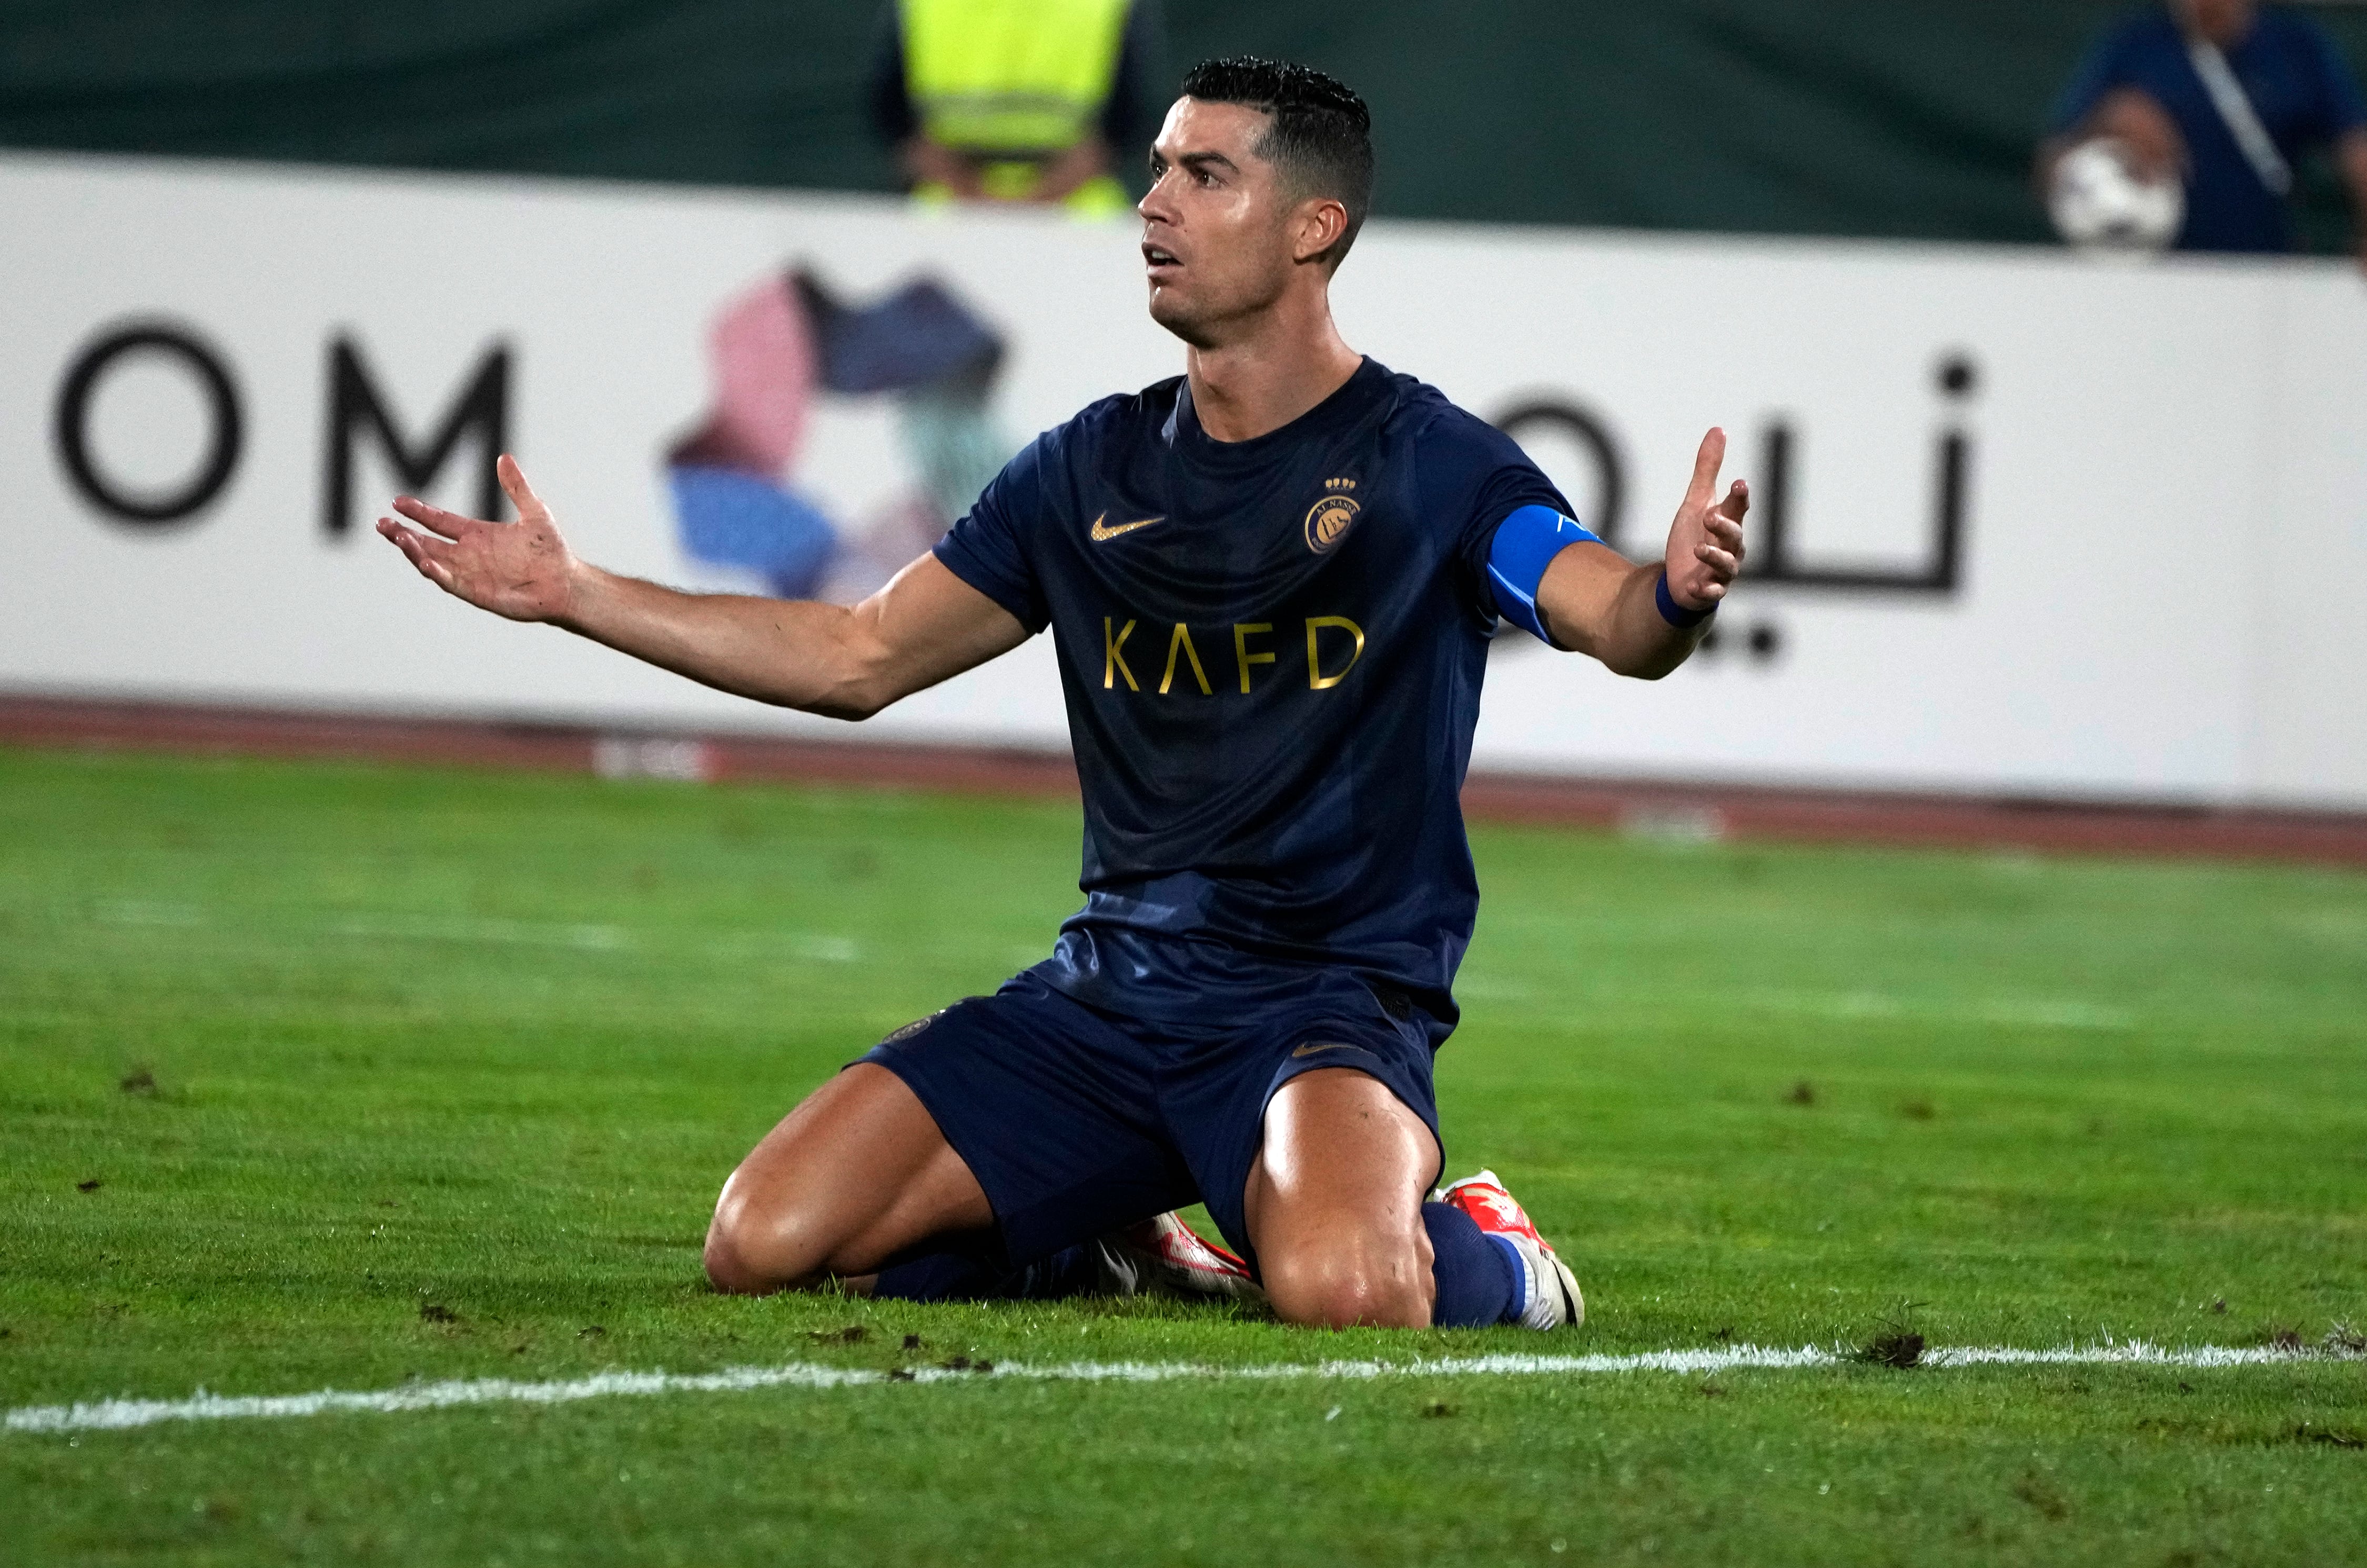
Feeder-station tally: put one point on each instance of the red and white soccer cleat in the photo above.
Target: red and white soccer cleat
(1165, 1255)
(1549, 1295)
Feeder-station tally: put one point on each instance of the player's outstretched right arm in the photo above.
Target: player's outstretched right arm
(924, 627)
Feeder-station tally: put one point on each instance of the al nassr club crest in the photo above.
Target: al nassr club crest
(1329, 519)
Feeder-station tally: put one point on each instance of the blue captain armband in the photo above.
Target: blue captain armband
(1526, 544)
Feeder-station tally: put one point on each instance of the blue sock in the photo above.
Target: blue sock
(971, 1274)
(1478, 1277)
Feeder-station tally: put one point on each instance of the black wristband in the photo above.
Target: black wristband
(1674, 613)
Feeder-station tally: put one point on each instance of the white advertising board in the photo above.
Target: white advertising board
(2025, 524)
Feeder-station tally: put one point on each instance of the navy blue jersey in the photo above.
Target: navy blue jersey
(1271, 652)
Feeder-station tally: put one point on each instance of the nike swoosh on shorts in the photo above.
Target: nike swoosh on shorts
(1310, 1050)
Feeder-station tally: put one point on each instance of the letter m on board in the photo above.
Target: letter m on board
(357, 408)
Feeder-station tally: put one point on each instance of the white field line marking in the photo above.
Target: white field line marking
(2013, 1012)
(529, 933)
(115, 1414)
(815, 946)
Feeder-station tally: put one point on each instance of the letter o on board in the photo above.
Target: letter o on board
(224, 416)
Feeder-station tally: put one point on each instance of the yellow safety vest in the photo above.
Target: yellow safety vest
(1010, 76)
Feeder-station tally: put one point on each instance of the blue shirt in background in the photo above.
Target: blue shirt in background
(2300, 86)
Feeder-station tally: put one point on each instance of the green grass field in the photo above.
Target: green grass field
(319, 1076)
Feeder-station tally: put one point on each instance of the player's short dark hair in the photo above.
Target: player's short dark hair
(1321, 137)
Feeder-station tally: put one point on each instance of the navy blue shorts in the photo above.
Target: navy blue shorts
(1077, 1122)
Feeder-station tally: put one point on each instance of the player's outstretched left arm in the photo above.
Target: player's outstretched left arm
(1592, 600)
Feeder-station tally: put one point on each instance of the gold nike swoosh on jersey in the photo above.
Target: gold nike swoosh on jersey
(1102, 532)
(1328, 1045)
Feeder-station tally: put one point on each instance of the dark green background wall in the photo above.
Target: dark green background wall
(1900, 118)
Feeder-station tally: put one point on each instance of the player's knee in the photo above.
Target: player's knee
(1365, 1282)
(730, 1268)
(753, 1249)
(726, 1271)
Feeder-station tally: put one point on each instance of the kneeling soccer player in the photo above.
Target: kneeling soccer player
(1271, 582)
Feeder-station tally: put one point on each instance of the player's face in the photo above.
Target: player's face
(1215, 227)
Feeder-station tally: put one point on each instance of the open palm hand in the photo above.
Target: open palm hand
(520, 570)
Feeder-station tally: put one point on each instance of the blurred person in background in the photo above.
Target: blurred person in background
(1017, 100)
(2223, 97)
